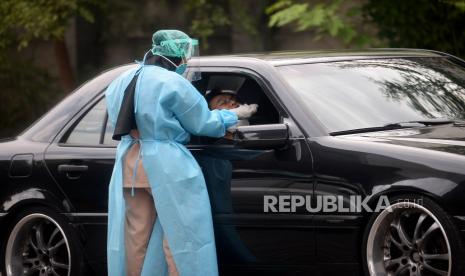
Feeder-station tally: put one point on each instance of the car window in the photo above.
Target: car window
(243, 89)
(107, 140)
(89, 129)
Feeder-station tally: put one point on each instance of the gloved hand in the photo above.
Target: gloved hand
(245, 111)
(232, 129)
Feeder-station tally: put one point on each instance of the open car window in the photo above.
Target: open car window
(247, 91)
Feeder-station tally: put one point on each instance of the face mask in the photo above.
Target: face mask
(181, 68)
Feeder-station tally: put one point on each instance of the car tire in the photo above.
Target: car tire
(40, 241)
(413, 236)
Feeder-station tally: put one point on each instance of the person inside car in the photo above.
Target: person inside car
(228, 99)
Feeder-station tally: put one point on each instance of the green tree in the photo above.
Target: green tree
(26, 93)
(330, 17)
(430, 24)
(22, 21)
(241, 20)
(207, 16)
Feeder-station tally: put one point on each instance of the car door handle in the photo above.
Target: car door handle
(72, 168)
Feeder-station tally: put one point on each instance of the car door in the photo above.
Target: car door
(240, 178)
(338, 230)
(81, 161)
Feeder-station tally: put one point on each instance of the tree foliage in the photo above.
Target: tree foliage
(26, 93)
(207, 16)
(325, 17)
(26, 90)
(459, 4)
(25, 20)
(430, 24)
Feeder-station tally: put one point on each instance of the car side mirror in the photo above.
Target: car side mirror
(262, 136)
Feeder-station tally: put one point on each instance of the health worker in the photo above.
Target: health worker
(159, 216)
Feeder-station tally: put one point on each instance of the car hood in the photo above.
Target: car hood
(445, 138)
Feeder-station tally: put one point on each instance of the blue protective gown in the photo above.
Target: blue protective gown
(167, 109)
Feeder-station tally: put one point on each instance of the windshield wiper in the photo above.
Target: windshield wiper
(373, 129)
(399, 125)
(434, 121)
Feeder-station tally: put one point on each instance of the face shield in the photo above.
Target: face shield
(193, 70)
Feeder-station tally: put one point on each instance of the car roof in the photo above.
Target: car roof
(282, 58)
(317, 56)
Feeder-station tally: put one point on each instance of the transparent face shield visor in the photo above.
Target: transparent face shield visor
(193, 70)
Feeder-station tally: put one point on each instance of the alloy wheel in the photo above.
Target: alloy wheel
(407, 239)
(38, 246)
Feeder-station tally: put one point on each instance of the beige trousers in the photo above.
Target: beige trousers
(140, 219)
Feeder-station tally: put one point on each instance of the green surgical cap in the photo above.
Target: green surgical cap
(173, 43)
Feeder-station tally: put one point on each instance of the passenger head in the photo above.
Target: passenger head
(222, 99)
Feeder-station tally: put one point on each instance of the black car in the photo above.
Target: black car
(362, 127)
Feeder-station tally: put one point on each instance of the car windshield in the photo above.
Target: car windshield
(359, 94)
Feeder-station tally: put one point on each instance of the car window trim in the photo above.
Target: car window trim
(104, 128)
(84, 146)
